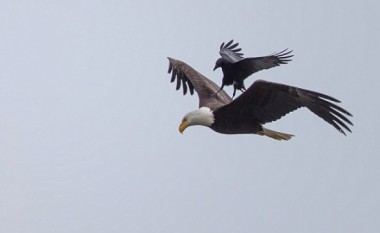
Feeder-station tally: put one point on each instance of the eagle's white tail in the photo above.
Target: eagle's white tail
(274, 134)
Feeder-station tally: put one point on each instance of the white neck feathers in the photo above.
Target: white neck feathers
(202, 116)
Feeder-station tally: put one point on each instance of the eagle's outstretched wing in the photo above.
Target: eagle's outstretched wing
(267, 101)
(191, 80)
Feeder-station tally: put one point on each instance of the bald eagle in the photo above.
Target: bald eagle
(261, 103)
(236, 68)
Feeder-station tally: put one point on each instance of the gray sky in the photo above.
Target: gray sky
(89, 137)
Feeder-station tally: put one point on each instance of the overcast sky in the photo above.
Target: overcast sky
(89, 137)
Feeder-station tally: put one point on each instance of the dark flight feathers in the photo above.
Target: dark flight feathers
(268, 101)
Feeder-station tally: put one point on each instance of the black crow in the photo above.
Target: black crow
(236, 68)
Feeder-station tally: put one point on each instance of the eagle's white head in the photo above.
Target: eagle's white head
(203, 116)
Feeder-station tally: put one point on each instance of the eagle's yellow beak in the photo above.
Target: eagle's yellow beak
(184, 124)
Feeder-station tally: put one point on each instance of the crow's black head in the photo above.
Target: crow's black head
(218, 63)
